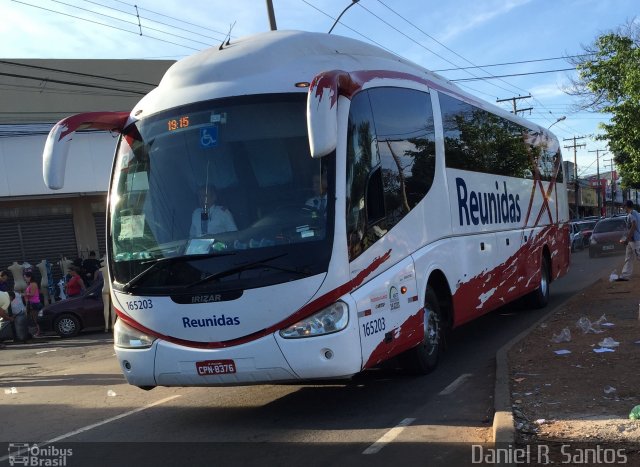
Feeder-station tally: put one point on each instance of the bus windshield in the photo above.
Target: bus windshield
(221, 194)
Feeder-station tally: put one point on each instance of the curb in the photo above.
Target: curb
(503, 429)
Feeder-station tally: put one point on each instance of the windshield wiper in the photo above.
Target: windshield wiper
(264, 262)
(163, 261)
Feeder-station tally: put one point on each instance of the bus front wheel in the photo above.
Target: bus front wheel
(424, 358)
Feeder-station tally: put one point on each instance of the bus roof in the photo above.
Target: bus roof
(269, 62)
(274, 61)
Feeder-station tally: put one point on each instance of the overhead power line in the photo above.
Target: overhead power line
(419, 43)
(514, 74)
(474, 66)
(465, 59)
(160, 22)
(103, 24)
(351, 29)
(76, 73)
(514, 63)
(128, 22)
(72, 83)
(171, 17)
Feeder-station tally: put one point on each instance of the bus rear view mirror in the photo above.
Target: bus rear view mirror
(322, 110)
(56, 149)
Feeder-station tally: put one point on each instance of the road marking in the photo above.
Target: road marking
(95, 425)
(456, 383)
(45, 351)
(389, 436)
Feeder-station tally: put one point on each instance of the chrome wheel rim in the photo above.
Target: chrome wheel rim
(544, 282)
(431, 327)
(67, 326)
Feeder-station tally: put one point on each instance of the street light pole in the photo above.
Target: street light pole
(272, 15)
(564, 117)
(353, 2)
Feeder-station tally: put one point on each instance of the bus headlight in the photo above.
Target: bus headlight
(130, 338)
(334, 318)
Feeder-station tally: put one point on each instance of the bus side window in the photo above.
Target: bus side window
(406, 142)
(362, 158)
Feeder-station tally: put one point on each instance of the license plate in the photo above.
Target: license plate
(608, 247)
(215, 367)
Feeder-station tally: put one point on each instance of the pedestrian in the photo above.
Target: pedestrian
(32, 297)
(90, 266)
(632, 240)
(4, 280)
(5, 303)
(75, 286)
(20, 320)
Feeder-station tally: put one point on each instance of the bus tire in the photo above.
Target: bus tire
(539, 298)
(423, 358)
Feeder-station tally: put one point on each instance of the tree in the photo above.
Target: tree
(609, 81)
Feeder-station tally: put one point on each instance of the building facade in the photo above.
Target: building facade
(37, 223)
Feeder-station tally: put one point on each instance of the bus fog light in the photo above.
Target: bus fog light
(332, 319)
(126, 364)
(127, 337)
(328, 354)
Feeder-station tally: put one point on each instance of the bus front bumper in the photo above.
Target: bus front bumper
(270, 359)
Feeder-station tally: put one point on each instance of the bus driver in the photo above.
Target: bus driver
(210, 218)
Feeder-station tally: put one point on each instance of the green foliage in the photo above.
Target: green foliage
(610, 77)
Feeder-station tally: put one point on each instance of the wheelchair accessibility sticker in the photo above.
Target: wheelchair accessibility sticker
(209, 137)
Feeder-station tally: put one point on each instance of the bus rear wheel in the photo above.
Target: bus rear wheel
(423, 358)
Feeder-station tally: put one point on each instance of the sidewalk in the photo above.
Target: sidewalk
(576, 395)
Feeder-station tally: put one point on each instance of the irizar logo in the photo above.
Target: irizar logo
(206, 298)
(214, 321)
(475, 207)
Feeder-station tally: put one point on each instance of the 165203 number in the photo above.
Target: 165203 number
(373, 327)
(145, 304)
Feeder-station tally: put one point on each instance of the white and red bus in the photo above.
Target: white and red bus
(363, 207)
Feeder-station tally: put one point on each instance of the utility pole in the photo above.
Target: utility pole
(575, 147)
(599, 186)
(513, 100)
(613, 185)
(272, 15)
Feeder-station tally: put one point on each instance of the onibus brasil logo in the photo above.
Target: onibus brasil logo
(41, 456)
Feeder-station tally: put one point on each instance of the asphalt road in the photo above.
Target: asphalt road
(70, 395)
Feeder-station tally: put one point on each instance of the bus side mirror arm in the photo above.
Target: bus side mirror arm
(56, 149)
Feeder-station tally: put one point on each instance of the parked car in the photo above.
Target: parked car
(580, 234)
(586, 229)
(576, 241)
(606, 236)
(68, 317)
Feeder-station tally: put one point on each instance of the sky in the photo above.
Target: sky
(515, 48)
